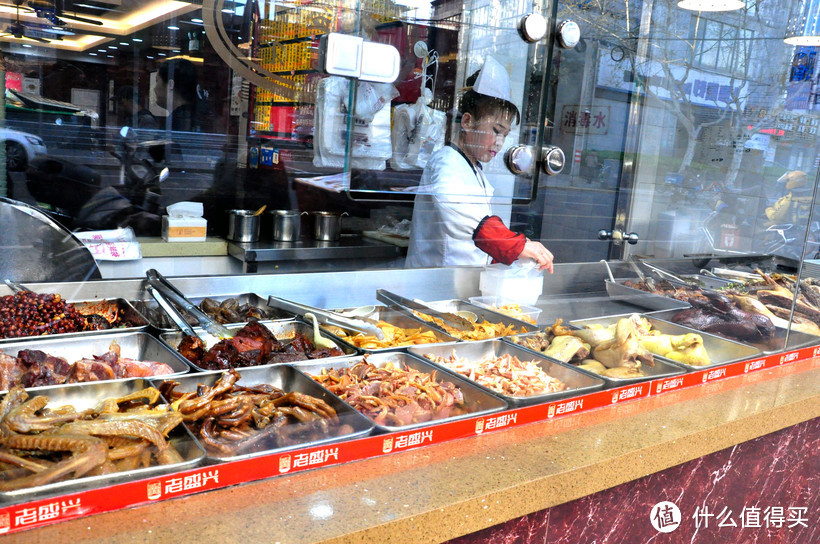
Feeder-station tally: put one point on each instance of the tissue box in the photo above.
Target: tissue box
(184, 229)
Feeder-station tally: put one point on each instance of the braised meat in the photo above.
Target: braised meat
(231, 420)
(394, 394)
(253, 345)
(192, 348)
(32, 368)
(719, 315)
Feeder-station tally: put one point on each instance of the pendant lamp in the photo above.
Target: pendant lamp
(711, 5)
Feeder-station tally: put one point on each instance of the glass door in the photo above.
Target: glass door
(682, 130)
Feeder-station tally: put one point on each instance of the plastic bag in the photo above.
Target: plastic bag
(521, 281)
(370, 136)
(418, 132)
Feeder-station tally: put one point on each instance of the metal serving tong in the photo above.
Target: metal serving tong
(666, 274)
(406, 305)
(637, 269)
(171, 310)
(327, 317)
(159, 285)
(16, 287)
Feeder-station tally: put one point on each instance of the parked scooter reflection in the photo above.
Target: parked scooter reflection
(77, 190)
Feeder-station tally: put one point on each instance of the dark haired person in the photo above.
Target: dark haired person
(177, 90)
(453, 224)
(132, 114)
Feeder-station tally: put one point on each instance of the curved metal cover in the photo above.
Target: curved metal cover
(35, 248)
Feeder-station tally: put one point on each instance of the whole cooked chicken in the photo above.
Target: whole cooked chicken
(625, 349)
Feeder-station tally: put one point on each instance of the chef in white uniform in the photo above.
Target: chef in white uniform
(453, 223)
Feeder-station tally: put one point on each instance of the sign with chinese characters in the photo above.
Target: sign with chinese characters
(585, 120)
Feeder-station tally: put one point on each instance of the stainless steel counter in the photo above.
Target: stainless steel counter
(306, 249)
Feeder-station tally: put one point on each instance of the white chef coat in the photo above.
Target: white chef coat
(453, 198)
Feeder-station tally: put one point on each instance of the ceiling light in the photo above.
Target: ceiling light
(711, 5)
(113, 47)
(804, 25)
(162, 54)
(227, 11)
(138, 40)
(110, 56)
(26, 45)
(196, 20)
(102, 50)
(93, 54)
(173, 27)
(149, 57)
(125, 44)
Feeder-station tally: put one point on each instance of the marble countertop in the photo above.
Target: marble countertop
(439, 492)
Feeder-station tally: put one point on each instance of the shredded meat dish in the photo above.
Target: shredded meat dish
(394, 394)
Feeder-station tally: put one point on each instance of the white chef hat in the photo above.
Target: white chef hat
(493, 80)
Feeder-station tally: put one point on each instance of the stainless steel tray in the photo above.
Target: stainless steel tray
(456, 305)
(282, 330)
(137, 320)
(775, 344)
(159, 320)
(568, 308)
(89, 395)
(663, 368)
(721, 351)
(140, 346)
(642, 299)
(288, 379)
(398, 319)
(477, 401)
(577, 382)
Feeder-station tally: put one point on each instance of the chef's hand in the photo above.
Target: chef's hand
(538, 253)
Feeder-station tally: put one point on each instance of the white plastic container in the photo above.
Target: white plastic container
(517, 282)
(509, 307)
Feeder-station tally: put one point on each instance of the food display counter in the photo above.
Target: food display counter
(442, 480)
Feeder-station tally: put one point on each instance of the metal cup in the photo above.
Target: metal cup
(286, 225)
(243, 226)
(327, 226)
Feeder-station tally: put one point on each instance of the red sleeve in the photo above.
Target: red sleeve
(496, 240)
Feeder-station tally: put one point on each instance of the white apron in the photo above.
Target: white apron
(453, 198)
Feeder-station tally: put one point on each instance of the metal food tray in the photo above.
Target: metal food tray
(663, 368)
(282, 330)
(568, 308)
(457, 305)
(158, 319)
(123, 306)
(775, 344)
(398, 319)
(287, 379)
(577, 382)
(477, 401)
(721, 351)
(642, 299)
(88, 395)
(139, 346)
